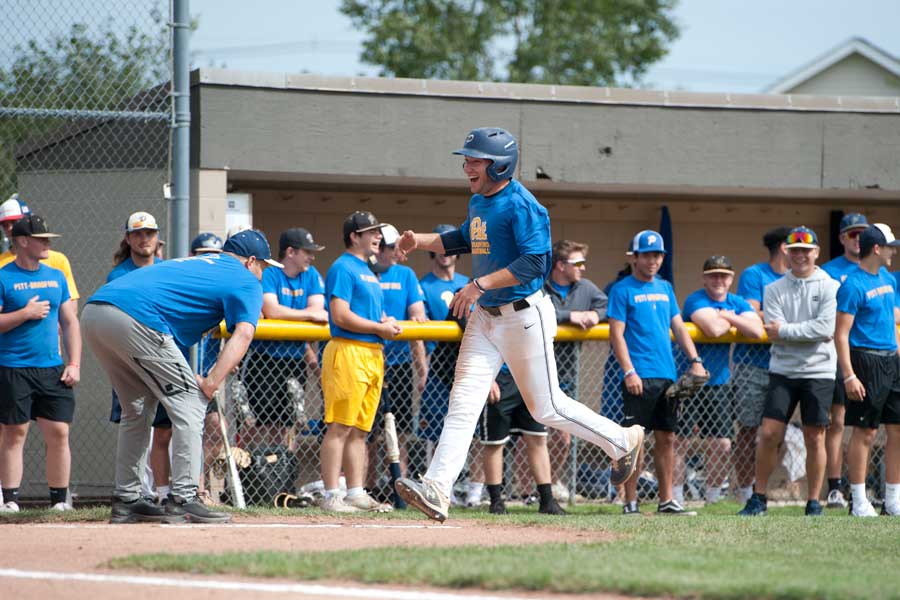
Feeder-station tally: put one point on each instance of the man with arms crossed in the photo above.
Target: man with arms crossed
(508, 233)
(866, 340)
(800, 314)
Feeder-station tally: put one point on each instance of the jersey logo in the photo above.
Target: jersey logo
(447, 297)
(479, 237)
(292, 293)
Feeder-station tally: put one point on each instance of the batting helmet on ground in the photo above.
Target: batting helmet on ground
(494, 144)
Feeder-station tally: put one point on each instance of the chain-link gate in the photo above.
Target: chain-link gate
(275, 412)
(84, 141)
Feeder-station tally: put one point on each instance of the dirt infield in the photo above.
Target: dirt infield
(41, 550)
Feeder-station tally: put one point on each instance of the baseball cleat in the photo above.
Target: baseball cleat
(193, 511)
(425, 496)
(623, 468)
(673, 508)
(552, 508)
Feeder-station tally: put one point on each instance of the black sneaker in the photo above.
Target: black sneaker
(673, 508)
(552, 508)
(813, 509)
(755, 507)
(193, 511)
(141, 510)
(498, 508)
(631, 508)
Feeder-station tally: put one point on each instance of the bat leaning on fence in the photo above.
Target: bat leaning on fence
(392, 451)
(235, 489)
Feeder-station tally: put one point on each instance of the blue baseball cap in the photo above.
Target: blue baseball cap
(853, 221)
(647, 241)
(801, 237)
(251, 242)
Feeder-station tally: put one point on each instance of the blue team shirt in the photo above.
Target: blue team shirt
(647, 309)
(184, 297)
(715, 356)
(351, 280)
(562, 290)
(293, 292)
(870, 299)
(125, 267)
(401, 290)
(751, 286)
(34, 343)
(438, 294)
(838, 268)
(501, 228)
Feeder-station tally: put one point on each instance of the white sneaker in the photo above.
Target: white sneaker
(426, 496)
(367, 503)
(836, 499)
(863, 510)
(62, 507)
(560, 492)
(9, 507)
(891, 511)
(336, 504)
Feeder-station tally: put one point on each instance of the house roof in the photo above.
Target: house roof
(855, 45)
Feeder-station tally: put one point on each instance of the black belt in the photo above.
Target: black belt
(518, 305)
(874, 351)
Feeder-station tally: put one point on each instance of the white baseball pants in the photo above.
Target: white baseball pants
(524, 341)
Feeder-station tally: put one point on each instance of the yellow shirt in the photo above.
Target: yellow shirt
(57, 260)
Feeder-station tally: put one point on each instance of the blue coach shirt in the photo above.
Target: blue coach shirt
(293, 292)
(125, 267)
(438, 294)
(34, 343)
(351, 280)
(500, 229)
(401, 290)
(715, 356)
(751, 286)
(647, 309)
(870, 299)
(185, 297)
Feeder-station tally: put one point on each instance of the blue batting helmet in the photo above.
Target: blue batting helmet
(206, 242)
(495, 144)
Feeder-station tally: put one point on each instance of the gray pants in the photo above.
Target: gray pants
(145, 368)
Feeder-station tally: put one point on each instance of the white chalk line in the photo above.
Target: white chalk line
(273, 588)
(245, 526)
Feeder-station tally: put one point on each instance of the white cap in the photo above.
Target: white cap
(141, 220)
(389, 235)
(13, 209)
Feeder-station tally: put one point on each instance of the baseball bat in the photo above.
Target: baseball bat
(234, 480)
(392, 450)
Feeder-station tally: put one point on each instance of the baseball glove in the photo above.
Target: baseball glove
(683, 389)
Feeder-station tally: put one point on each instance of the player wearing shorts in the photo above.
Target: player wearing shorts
(800, 317)
(353, 364)
(751, 362)
(642, 309)
(508, 233)
(852, 224)
(135, 326)
(709, 413)
(34, 383)
(866, 340)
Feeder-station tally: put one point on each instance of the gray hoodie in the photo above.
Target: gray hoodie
(806, 309)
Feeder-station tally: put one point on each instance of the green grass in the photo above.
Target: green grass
(45, 515)
(714, 555)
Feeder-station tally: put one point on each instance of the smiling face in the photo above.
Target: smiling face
(647, 264)
(367, 241)
(479, 181)
(298, 258)
(717, 285)
(802, 260)
(572, 268)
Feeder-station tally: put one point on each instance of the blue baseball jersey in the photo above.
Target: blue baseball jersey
(293, 292)
(401, 290)
(125, 267)
(751, 286)
(647, 309)
(500, 229)
(838, 268)
(715, 356)
(438, 294)
(34, 343)
(184, 297)
(351, 280)
(870, 299)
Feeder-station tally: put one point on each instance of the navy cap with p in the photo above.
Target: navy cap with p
(251, 242)
(647, 241)
(878, 234)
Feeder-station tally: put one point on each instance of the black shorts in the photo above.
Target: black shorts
(270, 391)
(709, 413)
(397, 391)
(160, 419)
(27, 393)
(839, 396)
(509, 416)
(651, 409)
(813, 396)
(880, 374)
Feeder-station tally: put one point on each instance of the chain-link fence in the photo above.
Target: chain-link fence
(84, 141)
(275, 411)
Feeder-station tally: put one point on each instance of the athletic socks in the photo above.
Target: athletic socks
(162, 492)
(57, 495)
(713, 494)
(834, 484)
(892, 498)
(858, 493)
(495, 491)
(678, 493)
(355, 492)
(473, 493)
(11, 495)
(332, 493)
(545, 493)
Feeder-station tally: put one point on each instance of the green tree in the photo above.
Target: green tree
(570, 42)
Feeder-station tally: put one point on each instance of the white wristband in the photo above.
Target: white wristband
(628, 373)
(849, 378)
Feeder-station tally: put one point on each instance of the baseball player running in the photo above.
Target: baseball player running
(134, 324)
(508, 233)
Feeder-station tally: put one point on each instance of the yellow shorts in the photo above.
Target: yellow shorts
(352, 374)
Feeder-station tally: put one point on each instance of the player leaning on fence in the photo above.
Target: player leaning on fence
(866, 340)
(353, 364)
(642, 308)
(800, 313)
